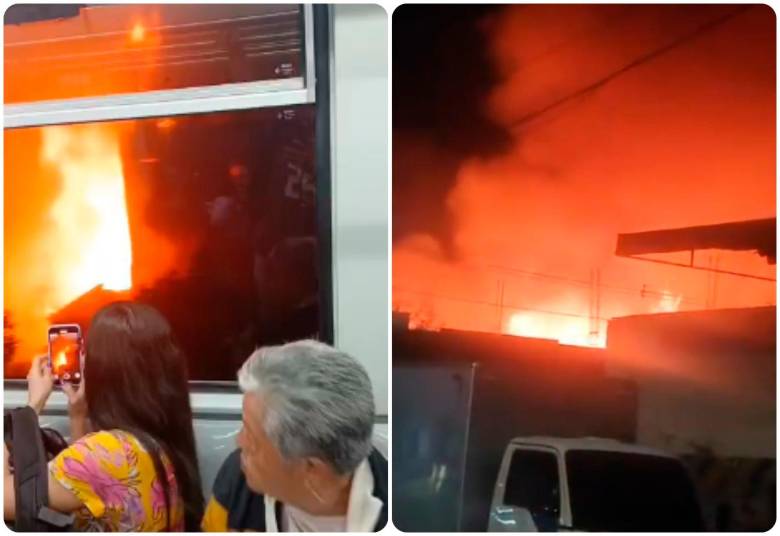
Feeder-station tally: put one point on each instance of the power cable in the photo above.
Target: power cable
(645, 58)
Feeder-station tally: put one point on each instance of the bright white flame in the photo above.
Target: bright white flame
(91, 234)
(564, 329)
(669, 303)
(574, 330)
(138, 32)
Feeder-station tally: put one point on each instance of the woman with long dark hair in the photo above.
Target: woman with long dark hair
(136, 469)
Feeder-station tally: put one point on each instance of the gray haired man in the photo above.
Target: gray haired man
(305, 461)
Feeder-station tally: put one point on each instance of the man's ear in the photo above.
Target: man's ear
(316, 468)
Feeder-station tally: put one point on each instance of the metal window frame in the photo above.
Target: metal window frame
(194, 100)
(499, 496)
(324, 171)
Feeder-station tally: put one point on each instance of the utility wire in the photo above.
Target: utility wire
(506, 306)
(584, 34)
(563, 279)
(571, 280)
(645, 58)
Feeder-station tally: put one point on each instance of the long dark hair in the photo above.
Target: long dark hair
(136, 381)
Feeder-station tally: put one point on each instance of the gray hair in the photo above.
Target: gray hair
(318, 402)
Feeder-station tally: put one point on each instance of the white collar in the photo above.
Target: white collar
(362, 510)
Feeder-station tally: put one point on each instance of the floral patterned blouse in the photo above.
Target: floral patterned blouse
(114, 476)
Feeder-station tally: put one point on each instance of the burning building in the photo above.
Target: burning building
(614, 118)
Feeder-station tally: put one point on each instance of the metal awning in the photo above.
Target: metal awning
(752, 235)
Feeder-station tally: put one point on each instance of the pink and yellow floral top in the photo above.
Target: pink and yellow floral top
(114, 476)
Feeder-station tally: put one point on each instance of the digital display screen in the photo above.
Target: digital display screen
(64, 350)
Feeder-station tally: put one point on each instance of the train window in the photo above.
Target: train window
(69, 51)
(211, 218)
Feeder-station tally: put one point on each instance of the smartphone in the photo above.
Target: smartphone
(65, 351)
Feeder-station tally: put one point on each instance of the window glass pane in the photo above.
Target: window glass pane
(533, 483)
(616, 492)
(67, 51)
(210, 218)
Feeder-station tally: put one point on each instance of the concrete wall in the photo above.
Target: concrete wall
(705, 379)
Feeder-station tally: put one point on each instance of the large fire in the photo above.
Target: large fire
(90, 234)
(68, 210)
(67, 229)
(687, 138)
(573, 331)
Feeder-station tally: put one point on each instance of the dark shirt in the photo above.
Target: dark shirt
(235, 507)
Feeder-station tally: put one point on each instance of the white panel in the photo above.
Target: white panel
(158, 103)
(359, 87)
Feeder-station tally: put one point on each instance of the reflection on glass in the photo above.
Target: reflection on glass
(532, 483)
(209, 218)
(67, 51)
(616, 492)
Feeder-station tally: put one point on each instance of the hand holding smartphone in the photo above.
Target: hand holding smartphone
(65, 352)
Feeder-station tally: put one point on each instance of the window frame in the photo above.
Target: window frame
(170, 102)
(543, 450)
(312, 88)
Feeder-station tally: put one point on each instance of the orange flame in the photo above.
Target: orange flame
(668, 303)
(91, 234)
(573, 331)
(138, 33)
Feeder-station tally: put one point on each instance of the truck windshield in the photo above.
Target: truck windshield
(619, 491)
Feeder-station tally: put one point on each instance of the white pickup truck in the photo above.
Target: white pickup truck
(589, 484)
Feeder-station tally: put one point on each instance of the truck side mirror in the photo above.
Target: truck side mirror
(511, 519)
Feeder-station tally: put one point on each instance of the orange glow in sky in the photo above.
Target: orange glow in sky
(687, 138)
